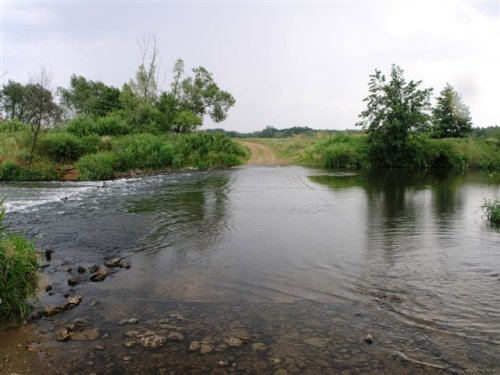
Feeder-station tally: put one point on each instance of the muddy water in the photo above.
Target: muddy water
(302, 262)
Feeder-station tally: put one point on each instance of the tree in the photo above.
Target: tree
(450, 117)
(86, 97)
(13, 100)
(40, 101)
(145, 85)
(396, 110)
(201, 95)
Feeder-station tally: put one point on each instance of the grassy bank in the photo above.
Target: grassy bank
(352, 151)
(92, 156)
(18, 273)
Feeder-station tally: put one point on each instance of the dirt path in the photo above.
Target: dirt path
(261, 154)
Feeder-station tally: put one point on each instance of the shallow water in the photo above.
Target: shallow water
(304, 261)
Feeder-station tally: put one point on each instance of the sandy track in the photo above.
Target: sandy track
(261, 154)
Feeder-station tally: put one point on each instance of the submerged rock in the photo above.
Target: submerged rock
(153, 341)
(195, 346)
(99, 275)
(206, 348)
(175, 336)
(74, 300)
(86, 335)
(72, 281)
(62, 334)
(368, 338)
(316, 341)
(81, 269)
(259, 347)
(113, 262)
(234, 342)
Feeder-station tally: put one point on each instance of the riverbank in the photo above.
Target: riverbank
(60, 155)
(351, 152)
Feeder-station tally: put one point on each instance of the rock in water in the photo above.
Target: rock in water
(72, 281)
(195, 346)
(206, 348)
(99, 275)
(259, 347)
(62, 334)
(113, 262)
(74, 300)
(81, 269)
(175, 336)
(234, 342)
(153, 341)
(368, 338)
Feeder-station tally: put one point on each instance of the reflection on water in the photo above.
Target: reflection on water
(304, 261)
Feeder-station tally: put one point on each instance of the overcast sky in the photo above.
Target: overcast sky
(286, 63)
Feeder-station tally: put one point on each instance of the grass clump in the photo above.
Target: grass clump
(18, 273)
(492, 210)
(339, 152)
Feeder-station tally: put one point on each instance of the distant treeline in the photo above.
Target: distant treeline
(272, 132)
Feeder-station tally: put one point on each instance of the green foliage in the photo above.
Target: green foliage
(39, 170)
(396, 111)
(86, 97)
(142, 151)
(12, 126)
(100, 166)
(60, 146)
(339, 152)
(450, 117)
(18, 273)
(81, 126)
(9, 171)
(492, 210)
(111, 124)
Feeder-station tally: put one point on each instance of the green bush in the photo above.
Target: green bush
(112, 124)
(100, 166)
(81, 126)
(492, 210)
(9, 171)
(60, 146)
(339, 152)
(18, 273)
(143, 151)
(12, 126)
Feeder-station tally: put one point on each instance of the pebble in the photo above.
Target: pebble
(206, 348)
(259, 347)
(368, 338)
(72, 281)
(175, 336)
(99, 275)
(234, 342)
(195, 346)
(81, 269)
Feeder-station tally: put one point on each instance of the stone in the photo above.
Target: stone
(316, 342)
(126, 358)
(62, 334)
(124, 264)
(86, 335)
(74, 300)
(48, 288)
(72, 281)
(99, 275)
(94, 303)
(259, 347)
(133, 321)
(123, 321)
(153, 341)
(195, 346)
(81, 269)
(175, 336)
(48, 254)
(52, 310)
(113, 262)
(281, 371)
(221, 348)
(368, 338)
(94, 268)
(132, 334)
(206, 348)
(129, 343)
(234, 342)
(99, 347)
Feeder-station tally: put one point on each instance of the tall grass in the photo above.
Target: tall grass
(492, 210)
(18, 272)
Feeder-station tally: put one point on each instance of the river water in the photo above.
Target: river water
(301, 261)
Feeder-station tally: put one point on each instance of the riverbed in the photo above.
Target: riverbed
(272, 270)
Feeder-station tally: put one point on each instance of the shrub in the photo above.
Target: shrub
(12, 126)
(81, 126)
(9, 171)
(143, 151)
(339, 152)
(18, 272)
(112, 124)
(100, 166)
(60, 146)
(492, 210)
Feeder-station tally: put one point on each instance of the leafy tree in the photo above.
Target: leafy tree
(43, 111)
(396, 111)
(450, 117)
(86, 97)
(201, 95)
(13, 100)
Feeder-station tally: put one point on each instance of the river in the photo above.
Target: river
(298, 265)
